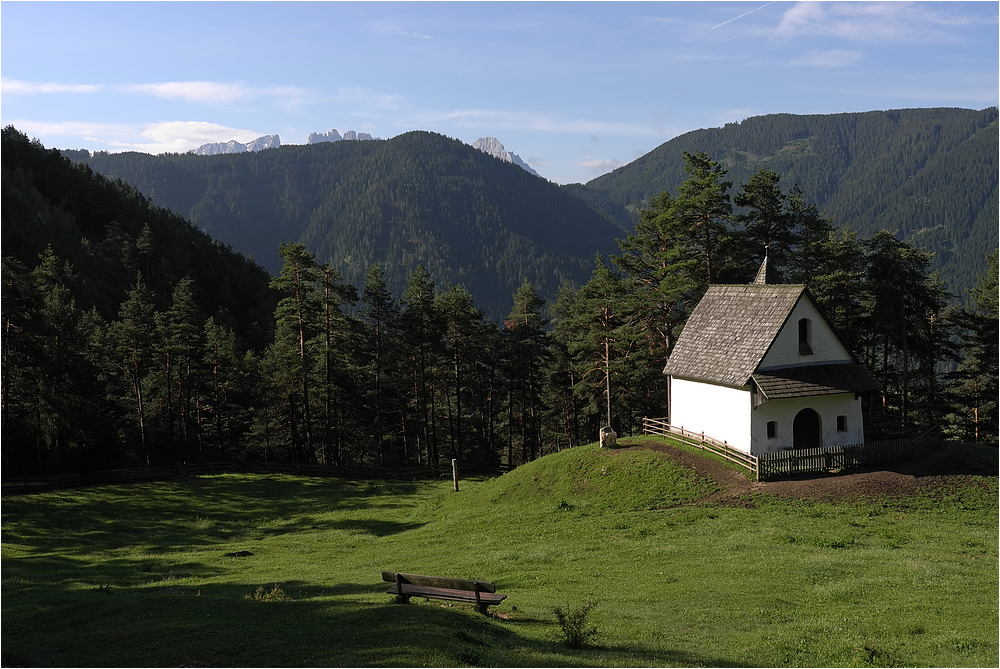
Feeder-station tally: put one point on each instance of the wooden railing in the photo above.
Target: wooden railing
(700, 440)
(829, 458)
(792, 461)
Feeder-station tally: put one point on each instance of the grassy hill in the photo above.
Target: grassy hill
(138, 575)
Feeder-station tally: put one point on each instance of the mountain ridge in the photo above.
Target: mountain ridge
(928, 174)
(418, 198)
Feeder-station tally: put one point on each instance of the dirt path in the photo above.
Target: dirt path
(941, 468)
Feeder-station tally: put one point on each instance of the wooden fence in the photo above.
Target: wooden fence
(792, 461)
(700, 440)
(829, 458)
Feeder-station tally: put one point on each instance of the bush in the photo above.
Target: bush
(276, 594)
(573, 624)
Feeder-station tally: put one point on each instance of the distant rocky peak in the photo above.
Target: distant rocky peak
(265, 142)
(334, 136)
(232, 146)
(493, 147)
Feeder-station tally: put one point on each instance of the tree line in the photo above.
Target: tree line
(352, 376)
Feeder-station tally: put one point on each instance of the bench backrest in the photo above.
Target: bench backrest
(438, 582)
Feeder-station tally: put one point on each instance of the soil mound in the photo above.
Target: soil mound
(946, 466)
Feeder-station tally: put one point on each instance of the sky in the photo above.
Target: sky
(576, 89)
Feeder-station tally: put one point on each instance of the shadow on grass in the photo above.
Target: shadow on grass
(188, 513)
(348, 624)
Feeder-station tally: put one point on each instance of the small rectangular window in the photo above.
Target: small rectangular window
(841, 423)
(772, 429)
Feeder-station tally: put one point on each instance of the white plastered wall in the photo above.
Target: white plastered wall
(721, 412)
(827, 406)
(784, 352)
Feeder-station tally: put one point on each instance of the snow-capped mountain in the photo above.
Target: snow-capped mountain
(493, 147)
(232, 146)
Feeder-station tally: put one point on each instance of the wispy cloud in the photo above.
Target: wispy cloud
(18, 87)
(600, 165)
(83, 129)
(166, 137)
(199, 92)
(871, 22)
(501, 118)
(393, 28)
(180, 136)
(368, 99)
(832, 58)
(204, 92)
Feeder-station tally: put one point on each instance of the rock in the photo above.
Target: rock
(232, 146)
(334, 136)
(331, 136)
(493, 147)
(609, 439)
(265, 142)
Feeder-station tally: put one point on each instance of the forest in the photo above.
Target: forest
(927, 175)
(132, 338)
(417, 199)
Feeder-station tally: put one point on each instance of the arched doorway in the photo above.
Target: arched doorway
(806, 429)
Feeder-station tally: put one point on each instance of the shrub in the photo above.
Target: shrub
(276, 594)
(573, 624)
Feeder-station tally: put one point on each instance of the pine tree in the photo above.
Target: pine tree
(296, 316)
(335, 343)
(908, 331)
(703, 209)
(657, 259)
(421, 328)
(381, 316)
(767, 228)
(180, 350)
(972, 387)
(600, 337)
(526, 354)
(132, 339)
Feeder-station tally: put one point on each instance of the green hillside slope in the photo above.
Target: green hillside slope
(110, 234)
(928, 174)
(419, 198)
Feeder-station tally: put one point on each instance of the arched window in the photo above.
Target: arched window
(805, 335)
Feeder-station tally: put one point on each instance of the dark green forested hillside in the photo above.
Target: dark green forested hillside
(928, 174)
(110, 234)
(419, 198)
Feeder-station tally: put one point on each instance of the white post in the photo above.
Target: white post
(454, 473)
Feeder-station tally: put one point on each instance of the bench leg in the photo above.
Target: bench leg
(402, 599)
(484, 609)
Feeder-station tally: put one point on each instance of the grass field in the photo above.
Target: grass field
(138, 575)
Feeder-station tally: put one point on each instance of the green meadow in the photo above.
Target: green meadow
(138, 575)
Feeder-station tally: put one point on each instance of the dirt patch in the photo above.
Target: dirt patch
(941, 468)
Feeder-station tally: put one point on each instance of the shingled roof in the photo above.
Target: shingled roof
(809, 380)
(730, 330)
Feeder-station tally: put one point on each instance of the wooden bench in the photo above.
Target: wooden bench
(480, 593)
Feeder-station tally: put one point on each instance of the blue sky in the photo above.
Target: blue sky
(575, 88)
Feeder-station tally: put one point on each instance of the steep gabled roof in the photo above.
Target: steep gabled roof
(730, 330)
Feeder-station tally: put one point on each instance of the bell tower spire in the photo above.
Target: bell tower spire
(765, 274)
